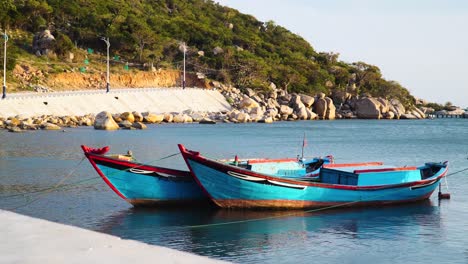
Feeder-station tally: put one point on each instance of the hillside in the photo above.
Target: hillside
(223, 44)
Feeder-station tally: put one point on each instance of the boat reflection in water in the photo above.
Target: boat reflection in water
(238, 235)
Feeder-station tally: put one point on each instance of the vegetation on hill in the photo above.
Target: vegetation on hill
(223, 43)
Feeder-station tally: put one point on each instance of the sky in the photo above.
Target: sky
(422, 44)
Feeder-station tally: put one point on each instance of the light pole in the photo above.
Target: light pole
(184, 49)
(106, 40)
(5, 36)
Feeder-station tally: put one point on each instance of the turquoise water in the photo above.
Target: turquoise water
(433, 231)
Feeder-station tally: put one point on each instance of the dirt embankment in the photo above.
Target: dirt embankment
(29, 77)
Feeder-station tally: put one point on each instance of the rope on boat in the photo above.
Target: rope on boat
(300, 212)
(163, 158)
(56, 186)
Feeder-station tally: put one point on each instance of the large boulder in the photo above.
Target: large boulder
(267, 120)
(139, 125)
(398, 106)
(249, 92)
(243, 117)
(299, 107)
(14, 121)
(408, 116)
(272, 103)
(248, 103)
(42, 42)
(396, 114)
(125, 124)
(207, 120)
(340, 97)
(389, 115)
(85, 121)
(308, 101)
(301, 113)
(347, 114)
(311, 115)
(49, 126)
(271, 112)
(104, 121)
(285, 110)
(168, 117)
(320, 107)
(331, 109)
(127, 116)
(197, 116)
(418, 113)
(137, 116)
(368, 108)
(182, 118)
(273, 94)
(256, 113)
(153, 118)
(384, 105)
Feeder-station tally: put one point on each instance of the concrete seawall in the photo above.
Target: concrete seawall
(30, 240)
(158, 100)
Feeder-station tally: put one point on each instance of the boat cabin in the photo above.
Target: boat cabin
(377, 175)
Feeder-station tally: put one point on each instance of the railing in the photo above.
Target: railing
(448, 116)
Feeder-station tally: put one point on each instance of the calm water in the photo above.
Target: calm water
(432, 231)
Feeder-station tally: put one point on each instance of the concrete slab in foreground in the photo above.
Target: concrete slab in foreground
(158, 100)
(29, 240)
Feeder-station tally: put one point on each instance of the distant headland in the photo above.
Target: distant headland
(265, 72)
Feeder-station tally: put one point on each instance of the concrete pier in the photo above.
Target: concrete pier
(29, 240)
(158, 100)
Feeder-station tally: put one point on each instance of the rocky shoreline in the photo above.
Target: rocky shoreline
(247, 106)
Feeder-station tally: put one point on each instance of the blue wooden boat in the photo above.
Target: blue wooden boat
(147, 185)
(347, 185)
(144, 185)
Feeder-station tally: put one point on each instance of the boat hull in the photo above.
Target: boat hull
(143, 185)
(230, 187)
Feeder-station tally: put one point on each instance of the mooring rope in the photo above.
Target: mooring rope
(56, 186)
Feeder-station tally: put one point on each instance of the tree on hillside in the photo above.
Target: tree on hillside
(7, 12)
(140, 33)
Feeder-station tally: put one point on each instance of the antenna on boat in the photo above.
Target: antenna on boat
(304, 144)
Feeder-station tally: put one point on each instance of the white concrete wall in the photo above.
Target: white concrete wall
(29, 240)
(158, 100)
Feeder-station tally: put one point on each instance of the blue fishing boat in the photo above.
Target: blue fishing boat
(359, 184)
(147, 185)
(144, 185)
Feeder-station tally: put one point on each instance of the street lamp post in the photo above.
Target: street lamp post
(106, 40)
(184, 47)
(5, 36)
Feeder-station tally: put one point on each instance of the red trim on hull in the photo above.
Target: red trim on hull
(386, 170)
(345, 165)
(254, 161)
(139, 165)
